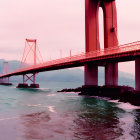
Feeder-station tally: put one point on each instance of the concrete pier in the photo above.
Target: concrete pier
(91, 74)
(34, 85)
(137, 74)
(111, 74)
(22, 85)
(6, 84)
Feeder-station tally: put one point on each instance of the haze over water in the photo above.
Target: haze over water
(44, 114)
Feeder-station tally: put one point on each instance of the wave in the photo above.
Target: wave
(50, 108)
(125, 106)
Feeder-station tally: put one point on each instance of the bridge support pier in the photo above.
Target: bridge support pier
(137, 74)
(24, 84)
(25, 79)
(5, 81)
(91, 75)
(34, 85)
(111, 74)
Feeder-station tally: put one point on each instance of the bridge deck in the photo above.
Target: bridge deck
(122, 53)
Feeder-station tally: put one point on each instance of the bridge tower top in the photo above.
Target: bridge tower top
(92, 24)
(5, 68)
(31, 54)
(34, 41)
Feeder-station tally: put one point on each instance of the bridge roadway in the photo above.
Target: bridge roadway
(127, 52)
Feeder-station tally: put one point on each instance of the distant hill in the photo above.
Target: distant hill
(69, 75)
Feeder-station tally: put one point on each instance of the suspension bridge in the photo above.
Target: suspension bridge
(92, 57)
(126, 52)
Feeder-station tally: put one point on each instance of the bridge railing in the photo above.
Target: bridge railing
(108, 51)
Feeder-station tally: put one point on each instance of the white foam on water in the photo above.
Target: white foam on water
(125, 106)
(127, 120)
(127, 123)
(45, 89)
(73, 96)
(3, 119)
(51, 95)
(114, 101)
(36, 105)
(128, 106)
(51, 109)
(13, 87)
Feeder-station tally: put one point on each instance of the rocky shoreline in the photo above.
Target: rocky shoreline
(121, 93)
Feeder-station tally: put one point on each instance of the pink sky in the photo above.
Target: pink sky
(58, 25)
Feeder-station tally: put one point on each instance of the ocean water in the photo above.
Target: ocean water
(44, 114)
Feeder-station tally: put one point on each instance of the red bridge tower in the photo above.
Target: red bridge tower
(92, 39)
(30, 58)
(5, 70)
